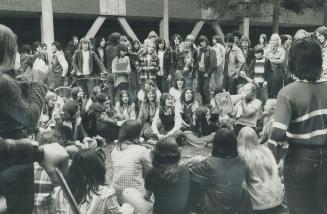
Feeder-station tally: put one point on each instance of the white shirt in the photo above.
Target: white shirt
(86, 62)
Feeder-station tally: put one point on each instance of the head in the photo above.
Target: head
(263, 39)
(51, 99)
(224, 144)
(85, 44)
(150, 95)
(217, 39)
(176, 40)
(101, 98)
(124, 98)
(8, 47)
(203, 41)
(150, 48)
(100, 42)
(96, 109)
(44, 47)
(245, 42)
(269, 108)
(166, 100)
(301, 34)
(179, 83)
(130, 131)
(37, 47)
(190, 38)
(122, 50)
(56, 46)
(114, 39)
(27, 49)
(96, 90)
(286, 40)
(136, 46)
(187, 95)
(148, 84)
(202, 115)
(305, 59)
(237, 36)
(249, 89)
(165, 153)
(258, 51)
(321, 34)
(160, 44)
(153, 36)
(86, 174)
(75, 40)
(229, 40)
(77, 93)
(275, 40)
(71, 111)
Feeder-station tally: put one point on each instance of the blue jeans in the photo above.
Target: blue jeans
(305, 174)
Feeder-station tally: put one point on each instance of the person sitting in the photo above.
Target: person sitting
(262, 180)
(187, 107)
(51, 112)
(125, 109)
(177, 90)
(146, 87)
(166, 122)
(86, 180)
(130, 159)
(216, 181)
(167, 181)
(202, 130)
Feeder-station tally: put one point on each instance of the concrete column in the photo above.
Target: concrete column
(245, 26)
(127, 28)
(197, 28)
(216, 27)
(47, 29)
(95, 27)
(164, 23)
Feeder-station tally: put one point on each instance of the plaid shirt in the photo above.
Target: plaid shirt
(130, 165)
(43, 203)
(148, 68)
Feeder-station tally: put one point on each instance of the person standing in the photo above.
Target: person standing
(207, 64)
(220, 53)
(84, 61)
(321, 34)
(58, 67)
(300, 119)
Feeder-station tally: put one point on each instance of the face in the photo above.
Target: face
(189, 39)
(85, 46)
(107, 104)
(214, 41)
(169, 101)
(122, 53)
(167, 44)
(80, 94)
(125, 98)
(208, 115)
(288, 41)
(150, 49)
(268, 109)
(103, 42)
(261, 40)
(274, 41)
(258, 55)
(147, 86)
(245, 44)
(53, 48)
(45, 47)
(75, 39)
(52, 102)
(203, 44)
(151, 96)
(38, 49)
(247, 90)
(136, 45)
(188, 95)
(320, 37)
(161, 45)
(236, 39)
(176, 41)
(180, 83)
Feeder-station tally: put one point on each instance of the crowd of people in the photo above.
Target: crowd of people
(151, 99)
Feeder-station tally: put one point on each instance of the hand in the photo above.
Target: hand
(160, 136)
(206, 75)
(169, 78)
(120, 123)
(243, 74)
(127, 209)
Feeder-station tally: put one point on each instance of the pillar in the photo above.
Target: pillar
(216, 27)
(197, 28)
(164, 23)
(245, 26)
(127, 28)
(95, 27)
(47, 29)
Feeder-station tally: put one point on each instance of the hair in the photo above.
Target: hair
(229, 38)
(101, 98)
(26, 48)
(149, 82)
(203, 38)
(305, 59)
(95, 92)
(43, 45)
(265, 40)
(237, 33)
(183, 95)
(163, 98)
(257, 158)
(8, 47)
(258, 49)
(245, 38)
(159, 41)
(322, 30)
(132, 46)
(98, 41)
(121, 47)
(300, 34)
(36, 45)
(114, 39)
(121, 93)
(57, 45)
(283, 38)
(69, 110)
(218, 39)
(152, 90)
(271, 102)
(50, 96)
(75, 91)
(165, 157)
(190, 37)
(179, 78)
(130, 131)
(276, 36)
(86, 174)
(201, 122)
(224, 144)
(172, 43)
(95, 108)
(85, 40)
(152, 34)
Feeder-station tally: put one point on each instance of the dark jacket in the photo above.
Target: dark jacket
(210, 59)
(104, 57)
(94, 60)
(17, 113)
(67, 133)
(111, 53)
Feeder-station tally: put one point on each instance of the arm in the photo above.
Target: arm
(26, 113)
(282, 118)
(132, 112)
(98, 62)
(63, 62)
(213, 61)
(155, 122)
(113, 65)
(74, 62)
(140, 117)
(128, 70)
(281, 58)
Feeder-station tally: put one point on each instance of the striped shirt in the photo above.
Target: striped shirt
(301, 113)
